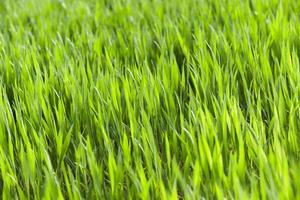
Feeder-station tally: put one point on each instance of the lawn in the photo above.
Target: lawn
(150, 99)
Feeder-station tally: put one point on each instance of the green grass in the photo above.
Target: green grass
(152, 99)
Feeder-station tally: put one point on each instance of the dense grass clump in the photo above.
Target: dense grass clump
(152, 99)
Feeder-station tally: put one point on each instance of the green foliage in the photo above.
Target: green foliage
(153, 99)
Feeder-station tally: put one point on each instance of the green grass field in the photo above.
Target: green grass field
(150, 99)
